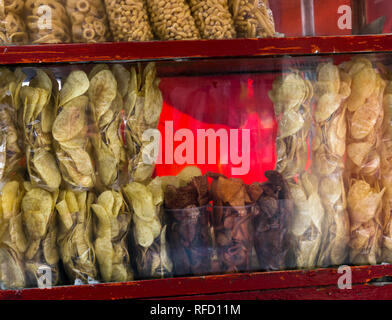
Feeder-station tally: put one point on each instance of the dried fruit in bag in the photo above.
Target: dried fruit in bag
(143, 106)
(252, 18)
(148, 232)
(70, 132)
(328, 166)
(110, 228)
(38, 99)
(39, 219)
(75, 238)
(365, 118)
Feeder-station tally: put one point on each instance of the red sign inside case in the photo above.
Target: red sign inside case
(380, 8)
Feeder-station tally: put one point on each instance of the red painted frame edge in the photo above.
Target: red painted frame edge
(199, 286)
(131, 51)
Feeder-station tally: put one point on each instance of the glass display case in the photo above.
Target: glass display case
(208, 168)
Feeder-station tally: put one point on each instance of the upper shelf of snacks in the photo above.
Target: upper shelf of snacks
(48, 31)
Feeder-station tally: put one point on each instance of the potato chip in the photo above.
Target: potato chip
(141, 200)
(143, 235)
(76, 85)
(188, 173)
(46, 167)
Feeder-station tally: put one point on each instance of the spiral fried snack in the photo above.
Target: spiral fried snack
(365, 116)
(129, 20)
(111, 223)
(149, 235)
(88, 20)
(12, 26)
(11, 151)
(172, 20)
(252, 18)
(38, 100)
(70, 132)
(13, 243)
(213, 19)
(47, 21)
(142, 112)
(291, 95)
(106, 103)
(75, 235)
(39, 219)
(328, 149)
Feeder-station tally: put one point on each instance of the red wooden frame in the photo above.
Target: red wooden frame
(158, 50)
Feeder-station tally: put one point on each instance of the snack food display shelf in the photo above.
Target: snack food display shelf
(134, 51)
(298, 284)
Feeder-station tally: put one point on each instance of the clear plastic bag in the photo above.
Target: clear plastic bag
(88, 20)
(12, 26)
(74, 239)
(213, 19)
(129, 20)
(47, 21)
(172, 20)
(252, 18)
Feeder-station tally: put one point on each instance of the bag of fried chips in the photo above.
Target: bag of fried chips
(148, 237)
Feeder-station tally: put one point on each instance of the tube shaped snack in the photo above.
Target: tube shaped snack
(88, 20)
(106, 104)
(291, 95)
(70, 132)
(111, 224)
(129, 20)
(143, 108)
(272, 222)
(187, 215)
(172, 20)
(38, 100)
(148, 231)
(329, 146)
(12, 26)
(365, 116)
(39, 219)
(231, 218)
(213, 19)
(13, 242)
(75, 235)
(252, 18)
(47, 21)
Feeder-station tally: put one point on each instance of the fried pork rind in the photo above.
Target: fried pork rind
(110, 228)
(40, 222)
(38, 100)
(70, 132)
(75, 240)
(13, 242)
(107, 92)
(365, 118)
(188, 230)
(232, 222)
(332, 88)
(143, 106)
(272, 222)
(10, 137)
(149, 233)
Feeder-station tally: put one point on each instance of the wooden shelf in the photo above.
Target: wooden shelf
(319, 283)
(171, 50)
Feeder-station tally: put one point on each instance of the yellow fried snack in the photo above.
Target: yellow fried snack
(111, 222)
(70, 132)
(75, 235)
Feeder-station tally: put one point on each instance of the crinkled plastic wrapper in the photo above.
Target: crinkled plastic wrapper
(47, 21)
(143, 107)
(12, 25)
(252, 18)
(148, 239)
(272, 222)
(213, 19)
(129, 20)
(110, 229)
(172, 20)
(75, 238)
(88, 20)
(365, 118)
